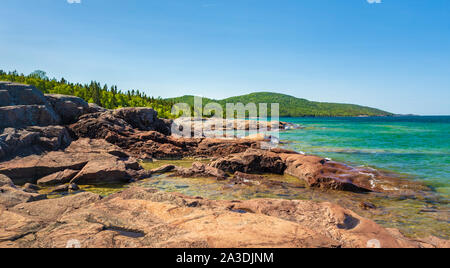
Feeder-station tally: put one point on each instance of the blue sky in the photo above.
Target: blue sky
(394, 55)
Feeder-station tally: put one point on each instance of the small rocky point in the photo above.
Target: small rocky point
(62, 142)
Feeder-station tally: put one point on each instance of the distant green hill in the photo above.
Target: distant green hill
(293, 107)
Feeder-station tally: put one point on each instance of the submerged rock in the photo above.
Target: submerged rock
(163, 169)
(61, 189)
(321, 173)
(65, 188)
(200, 170)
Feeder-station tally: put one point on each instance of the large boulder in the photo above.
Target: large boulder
(323, 173)
(140, 118)
(319, 173)
(69, 108)
(120, 123)
(101, 126)
(251, 161)
(140, 144)
(103, 171)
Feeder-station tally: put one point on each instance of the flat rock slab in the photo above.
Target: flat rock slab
(102, 171)
(58, 178)
(10, 196)
(31, 168)
(140, 217)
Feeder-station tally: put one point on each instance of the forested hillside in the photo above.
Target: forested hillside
(292, 106)
(111, 98)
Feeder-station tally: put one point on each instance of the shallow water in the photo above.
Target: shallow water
(415, 217)
(418, 147)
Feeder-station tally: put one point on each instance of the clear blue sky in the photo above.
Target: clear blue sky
(394, 55)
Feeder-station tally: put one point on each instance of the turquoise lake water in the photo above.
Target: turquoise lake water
(418, 147)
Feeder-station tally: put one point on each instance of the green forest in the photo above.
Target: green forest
(291, 106)
(112, 98)
(94, 92)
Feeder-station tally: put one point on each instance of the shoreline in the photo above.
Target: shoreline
(77, 145)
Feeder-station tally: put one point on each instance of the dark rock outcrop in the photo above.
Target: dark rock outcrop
(103, 171)
(19, 94)
(121, 122)
(23, 106)
(32, 140)
(137, 132)
(69, 108)
(251, 161)
(27, 115)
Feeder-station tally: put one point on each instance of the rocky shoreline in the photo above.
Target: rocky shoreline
(62, 142)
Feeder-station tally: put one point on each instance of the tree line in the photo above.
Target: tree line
(94, 92)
